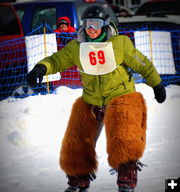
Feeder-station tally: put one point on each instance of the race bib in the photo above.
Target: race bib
(97, 58)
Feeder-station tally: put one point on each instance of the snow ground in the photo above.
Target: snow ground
(31, 130)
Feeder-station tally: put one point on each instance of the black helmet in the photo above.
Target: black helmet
(94, 11)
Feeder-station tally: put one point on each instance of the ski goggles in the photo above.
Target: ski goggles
(93, 23)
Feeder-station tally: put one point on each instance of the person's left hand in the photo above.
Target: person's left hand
(160, 93)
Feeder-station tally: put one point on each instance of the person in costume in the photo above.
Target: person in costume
(109, 99)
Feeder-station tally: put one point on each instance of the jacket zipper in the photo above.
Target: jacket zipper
(100, 89)
(124, 85)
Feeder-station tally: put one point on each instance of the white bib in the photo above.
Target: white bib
(97, 58)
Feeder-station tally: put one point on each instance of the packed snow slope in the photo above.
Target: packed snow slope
(31, 131)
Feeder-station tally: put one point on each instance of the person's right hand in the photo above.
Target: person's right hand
(36, 73)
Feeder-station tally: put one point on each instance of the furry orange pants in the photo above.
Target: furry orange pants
(125, 125)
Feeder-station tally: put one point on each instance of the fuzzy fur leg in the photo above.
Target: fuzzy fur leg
(77, 155)
(125, 125)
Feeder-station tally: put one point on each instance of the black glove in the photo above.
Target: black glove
(36, 73)
(160, 93)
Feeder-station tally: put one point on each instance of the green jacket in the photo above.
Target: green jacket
(100, 89)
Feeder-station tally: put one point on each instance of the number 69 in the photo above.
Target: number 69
(97, 57)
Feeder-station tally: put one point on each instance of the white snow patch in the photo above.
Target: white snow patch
(31, 131)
